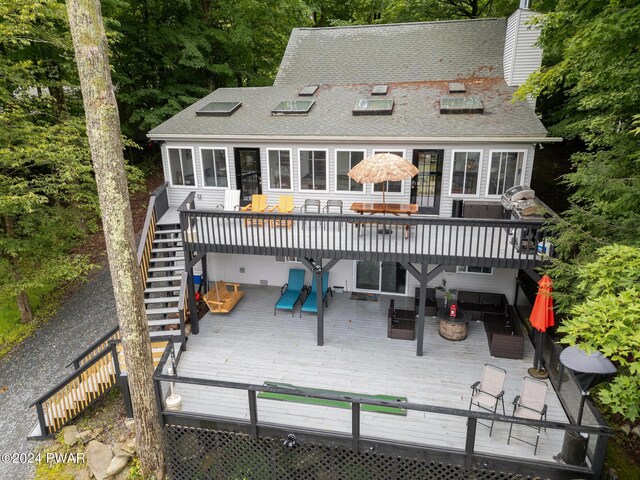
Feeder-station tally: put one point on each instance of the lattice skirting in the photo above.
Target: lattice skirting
(196, 453)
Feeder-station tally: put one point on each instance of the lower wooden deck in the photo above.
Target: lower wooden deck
(252, 345)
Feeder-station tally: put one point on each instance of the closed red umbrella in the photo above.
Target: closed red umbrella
(541, 318)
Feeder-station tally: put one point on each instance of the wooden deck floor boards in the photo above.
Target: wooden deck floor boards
(252, 345)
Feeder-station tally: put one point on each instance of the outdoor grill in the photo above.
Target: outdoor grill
(522, 202)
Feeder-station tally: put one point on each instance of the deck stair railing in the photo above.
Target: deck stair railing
(77, 392)
(158, 206)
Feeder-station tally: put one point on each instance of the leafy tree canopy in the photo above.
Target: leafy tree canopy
(606, 318)
(591, 76)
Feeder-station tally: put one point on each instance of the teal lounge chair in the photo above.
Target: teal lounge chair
(310, 302)
(291, 291)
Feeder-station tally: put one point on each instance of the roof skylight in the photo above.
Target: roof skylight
(457, 87)
(308, 91)
(293, 107)
(369, 106)
(470, 104)
(219, 109)
(380, 89)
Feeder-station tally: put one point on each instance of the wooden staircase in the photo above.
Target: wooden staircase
(165, 284)
(102, 366)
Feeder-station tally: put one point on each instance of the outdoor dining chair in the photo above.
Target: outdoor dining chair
(310, 206)
(489, 391)
(333, 206)
(530, 405)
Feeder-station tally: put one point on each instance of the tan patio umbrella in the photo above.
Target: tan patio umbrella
(382, 168)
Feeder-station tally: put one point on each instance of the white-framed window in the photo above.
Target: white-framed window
(313, 169)
(182, 171)
(287, 259)
(390, 187)
(506, 170)
(465, 172)
(475, 270)
(214, 167)
(345, 161)
(279, 163)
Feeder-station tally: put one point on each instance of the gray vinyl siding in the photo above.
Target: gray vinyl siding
(212, 197)
(521, 57)
(260, 269)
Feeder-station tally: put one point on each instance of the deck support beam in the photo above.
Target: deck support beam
(193, 306)
(423, 276)
(318, 270)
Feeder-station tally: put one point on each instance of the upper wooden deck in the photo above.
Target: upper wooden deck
(418, 239)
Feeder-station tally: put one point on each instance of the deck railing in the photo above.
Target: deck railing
(460, 241)
(78, 391)
(96, 348)
(158, 206)
(355, 440)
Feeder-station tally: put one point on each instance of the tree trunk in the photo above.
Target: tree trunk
(26, 315)
(103, 128)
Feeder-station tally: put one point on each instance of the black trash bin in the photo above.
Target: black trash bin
(457, 208)
(574, 449)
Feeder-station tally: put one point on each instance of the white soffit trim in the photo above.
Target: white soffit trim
(311, 138)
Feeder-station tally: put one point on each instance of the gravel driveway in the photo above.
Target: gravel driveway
(39, 363)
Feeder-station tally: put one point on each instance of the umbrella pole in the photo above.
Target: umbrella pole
(384, 229)
(537, 371)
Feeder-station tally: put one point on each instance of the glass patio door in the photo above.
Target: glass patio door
(380, 277)
(248, 176)
(426, 186)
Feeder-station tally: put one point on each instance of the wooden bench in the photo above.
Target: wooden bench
(222, 300)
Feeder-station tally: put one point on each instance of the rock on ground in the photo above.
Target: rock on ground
(70, 435)
(98, 457)
(117, 464)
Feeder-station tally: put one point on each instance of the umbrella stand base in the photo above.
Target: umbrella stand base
(384, 231)
(540, 374)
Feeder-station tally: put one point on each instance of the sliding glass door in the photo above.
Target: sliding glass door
(380, 277)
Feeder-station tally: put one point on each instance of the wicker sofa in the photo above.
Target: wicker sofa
(401, 324)
(477, 303)
(504, 334)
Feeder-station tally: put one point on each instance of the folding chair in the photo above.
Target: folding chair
(530, 404)
(489, 391)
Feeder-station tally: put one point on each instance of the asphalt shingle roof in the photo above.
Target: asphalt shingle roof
(409, 52)
(416, 113)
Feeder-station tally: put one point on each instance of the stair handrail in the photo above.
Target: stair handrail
(96, 347)
(183, 304)
(38, 403)
(158, 206)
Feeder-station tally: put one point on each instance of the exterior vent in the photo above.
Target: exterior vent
(293, 107)
(380, 89)
(457, 87)
(470, 104)
(218, 109)
(373, 107)
(309, 91)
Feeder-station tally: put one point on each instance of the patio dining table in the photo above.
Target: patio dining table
(384, 208)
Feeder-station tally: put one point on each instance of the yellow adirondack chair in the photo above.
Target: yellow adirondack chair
(258, 205)
(285, 205)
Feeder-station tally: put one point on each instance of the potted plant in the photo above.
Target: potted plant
(450, 294)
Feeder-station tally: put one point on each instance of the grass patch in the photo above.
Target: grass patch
(334, 403)
(12, 330)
